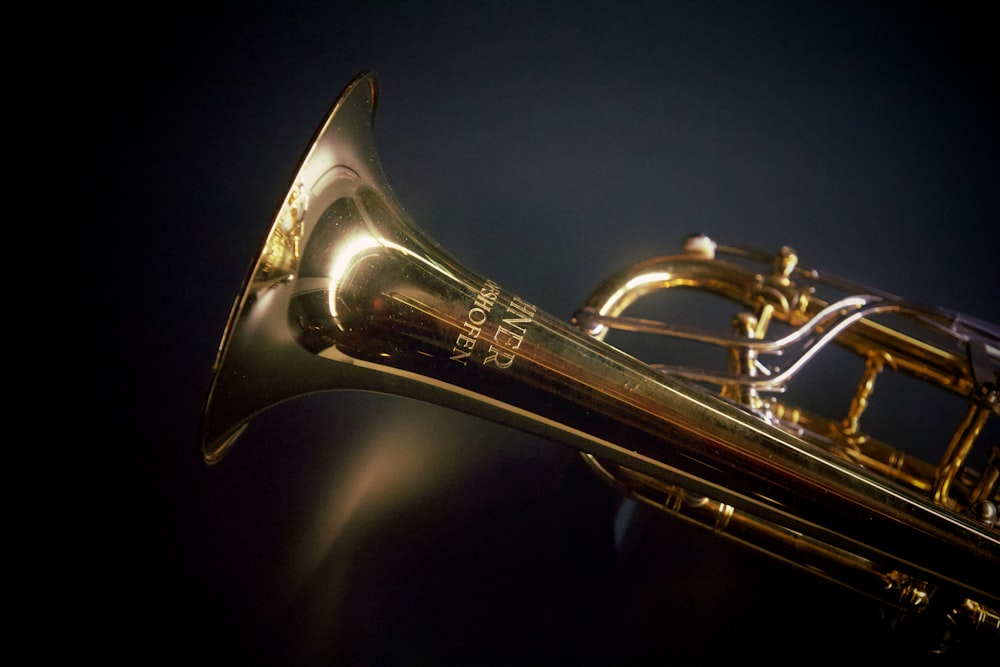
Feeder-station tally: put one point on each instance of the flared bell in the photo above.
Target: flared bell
(339, 211)
(348, 293)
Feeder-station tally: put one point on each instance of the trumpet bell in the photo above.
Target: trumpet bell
(266, 356)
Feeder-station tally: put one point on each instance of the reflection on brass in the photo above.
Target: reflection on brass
(348, 293)
(280, 256)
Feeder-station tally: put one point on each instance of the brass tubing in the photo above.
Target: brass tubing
(958, 449)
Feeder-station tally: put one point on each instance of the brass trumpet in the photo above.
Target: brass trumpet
(348, 293)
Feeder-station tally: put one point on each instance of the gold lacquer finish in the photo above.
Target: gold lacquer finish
(348, 293)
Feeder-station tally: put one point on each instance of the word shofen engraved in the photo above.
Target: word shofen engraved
(507, 337)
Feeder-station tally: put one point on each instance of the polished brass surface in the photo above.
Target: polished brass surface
(348, 293)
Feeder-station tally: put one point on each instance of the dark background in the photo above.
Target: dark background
(545, 145)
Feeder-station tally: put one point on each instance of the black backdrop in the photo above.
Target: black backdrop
(545, 145)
